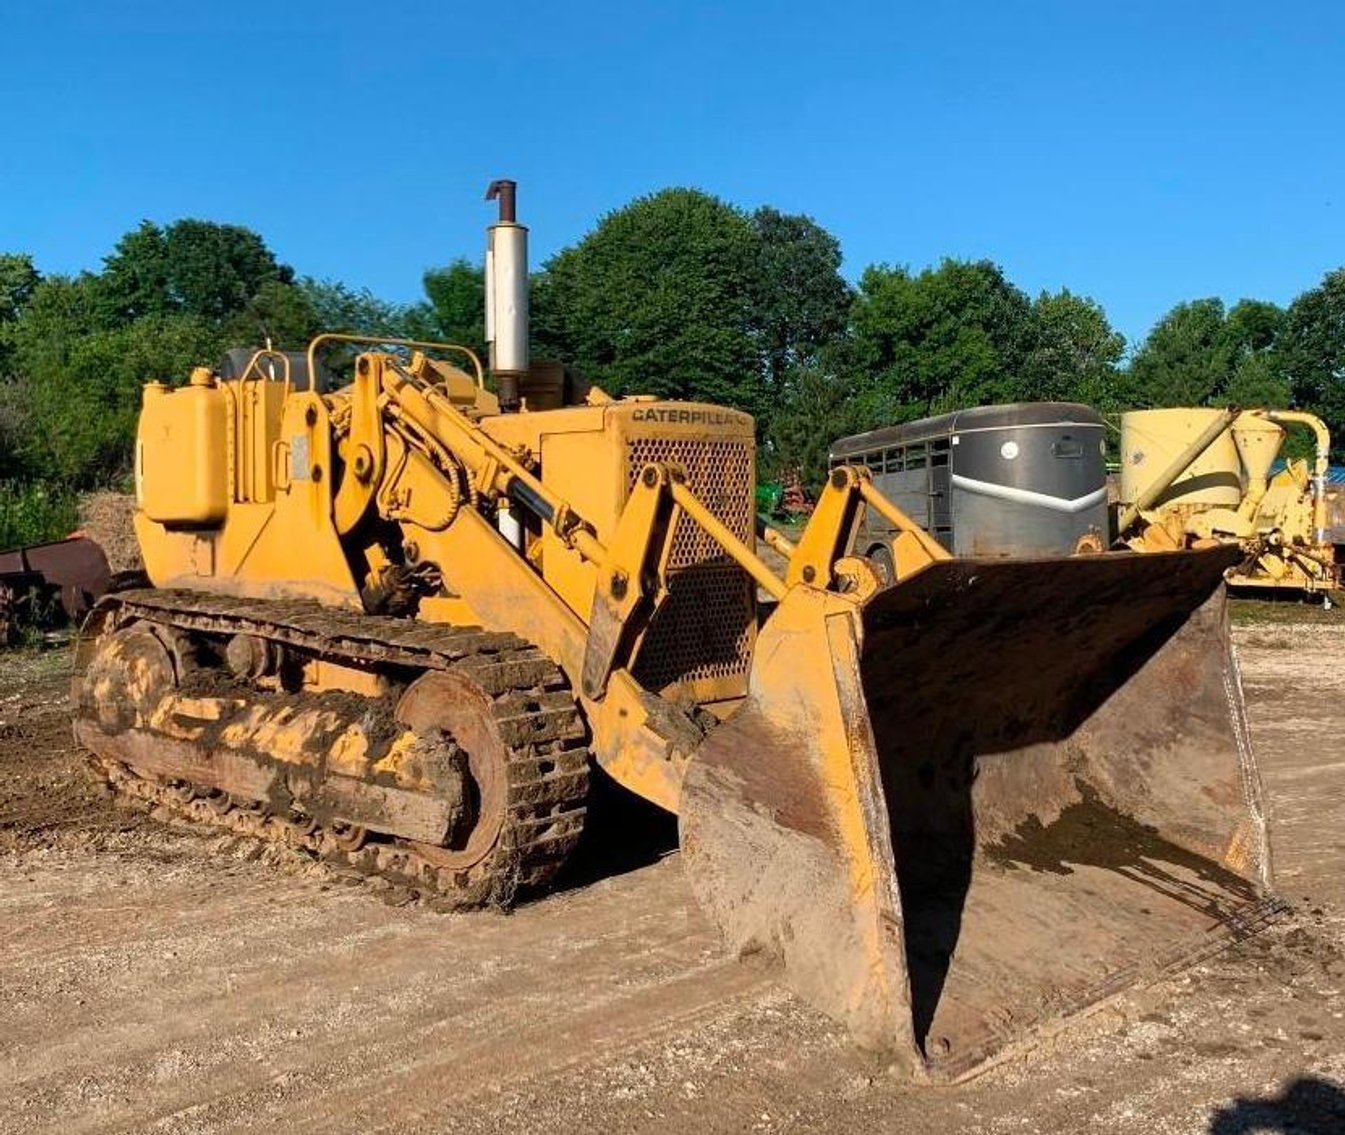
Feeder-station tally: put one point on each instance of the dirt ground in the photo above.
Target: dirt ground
(156, 980)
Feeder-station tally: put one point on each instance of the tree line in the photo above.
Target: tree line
(678, 294)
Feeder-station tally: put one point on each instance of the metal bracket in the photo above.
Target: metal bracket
(631, 578)
(365, 447)
(826, 540)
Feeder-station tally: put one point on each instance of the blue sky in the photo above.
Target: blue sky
(1141, 153)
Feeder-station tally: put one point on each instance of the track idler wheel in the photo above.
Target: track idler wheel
(458, 707)
(128, 674)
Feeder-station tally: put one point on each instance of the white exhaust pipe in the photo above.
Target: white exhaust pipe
(507, 295)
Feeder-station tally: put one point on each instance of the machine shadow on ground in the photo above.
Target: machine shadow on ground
(622, 833)
(1309, 1105)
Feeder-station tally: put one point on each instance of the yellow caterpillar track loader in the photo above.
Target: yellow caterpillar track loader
(399, 623)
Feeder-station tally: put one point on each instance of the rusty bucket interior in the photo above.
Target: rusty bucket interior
(1046, 795)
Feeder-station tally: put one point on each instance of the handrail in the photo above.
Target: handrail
(265, 353)
(384, 341)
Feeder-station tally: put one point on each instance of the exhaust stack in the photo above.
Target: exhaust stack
(507, 295)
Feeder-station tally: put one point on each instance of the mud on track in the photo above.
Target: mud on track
(155, 980)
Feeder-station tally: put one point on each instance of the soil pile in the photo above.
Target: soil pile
(105, 518)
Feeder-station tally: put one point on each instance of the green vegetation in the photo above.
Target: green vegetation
(684, 295)
(677, 293)
(76, 350)
(1289, 610)
(35, 512)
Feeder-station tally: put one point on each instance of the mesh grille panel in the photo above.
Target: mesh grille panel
(706, 626)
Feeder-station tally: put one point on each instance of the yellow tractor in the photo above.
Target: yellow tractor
(403, 624)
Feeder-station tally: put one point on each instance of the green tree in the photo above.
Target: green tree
(1259, 380)
(658, 298)
(14, 427)
(81, 380)
(1183, 362)
(1200, 354)
(1312, 351)
(84, 396)
(818, 405)
(1256, 366)
(192, 267)
(456, 307)
(956, 335)
(1252, 327)
(134, 281)
(279, 314)
(169, 298)
(801, 302)
(337, 307)
(1075, 352)
(18, 280)
(57, 313)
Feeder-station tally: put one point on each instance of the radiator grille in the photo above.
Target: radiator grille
(706, 627)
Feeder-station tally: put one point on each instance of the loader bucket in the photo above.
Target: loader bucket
(988, 798)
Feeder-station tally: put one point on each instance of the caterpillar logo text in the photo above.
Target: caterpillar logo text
(681, 416)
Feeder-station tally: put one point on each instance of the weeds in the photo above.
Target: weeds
(1272, 612)
(35, 513)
